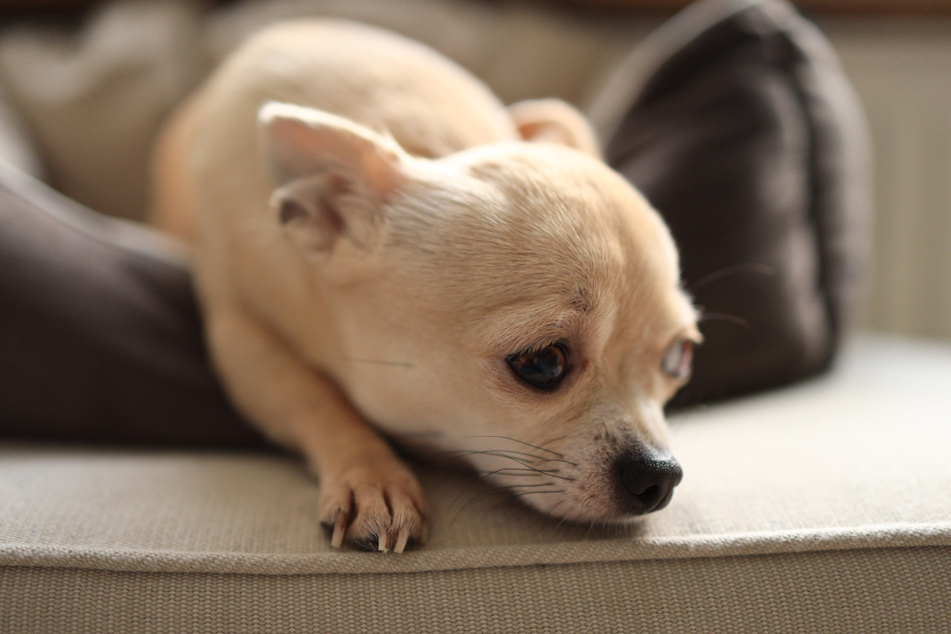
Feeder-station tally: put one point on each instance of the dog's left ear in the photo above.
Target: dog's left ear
(554, 121)
(333, 176)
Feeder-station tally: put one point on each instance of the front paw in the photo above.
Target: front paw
(375, 509)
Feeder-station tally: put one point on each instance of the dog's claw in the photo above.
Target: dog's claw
(340, 527)
(373, 515)
(401, 539)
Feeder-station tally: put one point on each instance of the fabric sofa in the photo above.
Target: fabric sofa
(819, 508)
(822, 505)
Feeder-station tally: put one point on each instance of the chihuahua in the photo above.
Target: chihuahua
(383, 250)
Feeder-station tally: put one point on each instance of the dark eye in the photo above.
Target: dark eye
(678, 359)
(542, 368)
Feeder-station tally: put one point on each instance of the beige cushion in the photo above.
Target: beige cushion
(94, 97)
(824, 506)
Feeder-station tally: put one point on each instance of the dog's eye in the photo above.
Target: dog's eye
(542, 368)
(678, 359)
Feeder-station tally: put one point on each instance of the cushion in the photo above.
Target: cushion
(102, 339)
(738, 124)
(822, 507)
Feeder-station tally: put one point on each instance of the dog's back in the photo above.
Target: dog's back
(388, 83)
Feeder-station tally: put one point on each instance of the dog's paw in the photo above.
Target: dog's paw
(374, 510)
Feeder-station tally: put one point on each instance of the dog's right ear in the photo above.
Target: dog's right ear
(554, 121)
(333, 176)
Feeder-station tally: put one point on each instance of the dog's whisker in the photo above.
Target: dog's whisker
(528, 468)
(505, 454)
(482, 477)
(553, 474)
(529, 455)
(550, 525)
(457, 453)
(522, 442)
(552, 516)
(590, 528)
(512, 471)
(497, 490)
(463, 492)
(552, 441)
(526, 455)
(524, 493)
(462, 508)
(470, 452)
(509, 487)
(488, 492)
(399, 364)
(512, 498)
(562, 521)
(529, 465)
(489, 452)
(476, 498)
(733, 319)
(526, 472)
(750, 267)
(581, 508)
(505, 500)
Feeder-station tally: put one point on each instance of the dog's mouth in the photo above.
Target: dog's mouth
(634, 482)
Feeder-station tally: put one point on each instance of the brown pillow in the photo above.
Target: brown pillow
(101, 340)
(746, 136)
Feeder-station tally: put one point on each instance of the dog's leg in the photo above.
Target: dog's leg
(171, 209)
(368, 495)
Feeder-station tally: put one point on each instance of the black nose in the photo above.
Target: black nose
(647, 481)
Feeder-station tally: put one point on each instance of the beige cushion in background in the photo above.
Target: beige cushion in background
(93, 98)
(15, 147)
(824, 507)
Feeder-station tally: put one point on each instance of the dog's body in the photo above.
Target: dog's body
(376, 242)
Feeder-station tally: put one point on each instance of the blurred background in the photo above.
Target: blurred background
(901, 67)
(61, 61)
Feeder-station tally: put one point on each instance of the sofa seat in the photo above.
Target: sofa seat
(821, 507)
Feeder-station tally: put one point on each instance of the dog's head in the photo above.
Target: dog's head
(516, 305)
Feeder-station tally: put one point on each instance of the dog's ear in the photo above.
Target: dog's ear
(333, 176)
(554, 121)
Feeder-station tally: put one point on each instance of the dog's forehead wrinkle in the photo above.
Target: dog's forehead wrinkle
(498, 274)
(582, 299)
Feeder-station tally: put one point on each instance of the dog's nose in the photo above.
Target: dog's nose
(647, 481)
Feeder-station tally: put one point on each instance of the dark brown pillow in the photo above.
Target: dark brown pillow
(101, 338)
(749, 141)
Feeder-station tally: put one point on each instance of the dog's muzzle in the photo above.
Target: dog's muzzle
(646, 481)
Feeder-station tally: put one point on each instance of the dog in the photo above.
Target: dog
(384, 251)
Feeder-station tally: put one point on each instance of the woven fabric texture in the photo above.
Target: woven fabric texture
(897, 590)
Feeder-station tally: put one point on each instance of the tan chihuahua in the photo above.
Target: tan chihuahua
(382, 246)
